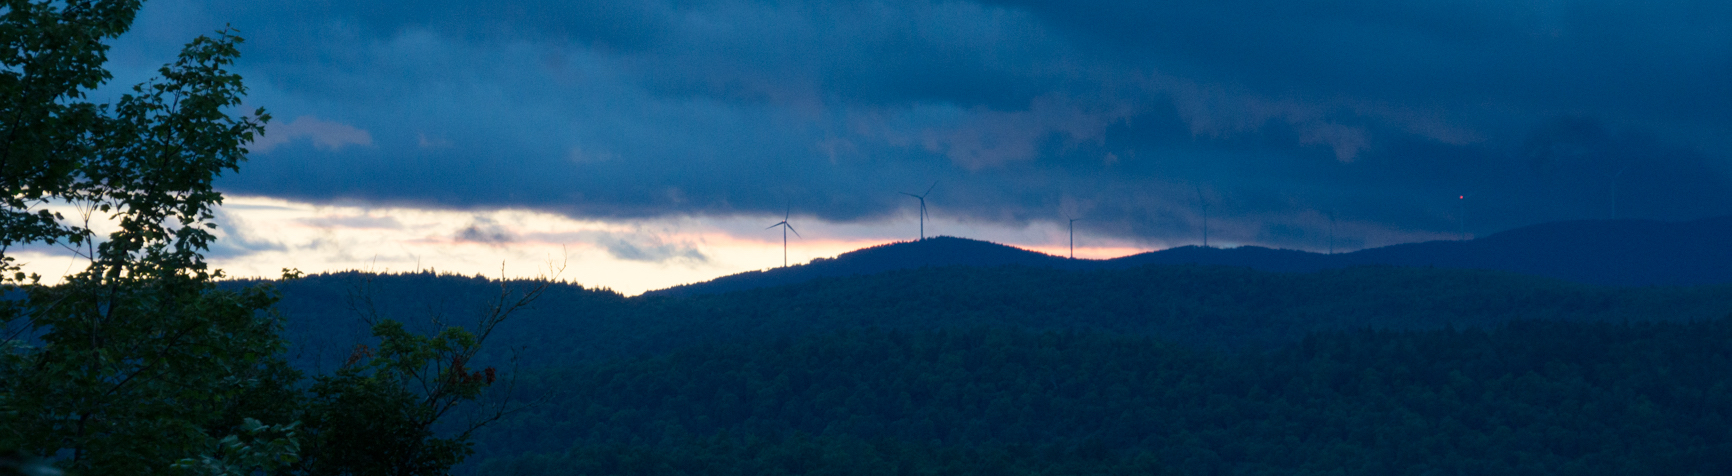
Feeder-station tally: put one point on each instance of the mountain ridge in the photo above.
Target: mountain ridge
(1584, 251)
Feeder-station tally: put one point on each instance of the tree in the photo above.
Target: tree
(377, 414)
(140, 363)
(138, 360)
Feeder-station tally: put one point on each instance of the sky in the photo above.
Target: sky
(649, 143)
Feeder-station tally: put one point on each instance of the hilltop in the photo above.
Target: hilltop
(1208, 306)
(1603, 252)
(1030, 365)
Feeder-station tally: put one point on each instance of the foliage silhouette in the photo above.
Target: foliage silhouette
(142, 363)
(1031, 369)
(137, 360)
(1527, 397)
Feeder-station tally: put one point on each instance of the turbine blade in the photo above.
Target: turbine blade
(929, 189)
(796, 232)
(910, 194)
(775, 225)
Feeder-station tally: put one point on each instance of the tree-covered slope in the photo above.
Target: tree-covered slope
(1193, 305)
(1029, 370)
(931, 252)
(1604, 252)
(1608, 252)
(1528, 397)
(323, 312)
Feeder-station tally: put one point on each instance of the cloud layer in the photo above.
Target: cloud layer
(1134, 114)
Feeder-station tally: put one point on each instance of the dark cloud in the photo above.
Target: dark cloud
(485, 231)
(640, 244)
(236, 238)
(655, 252)
(1381, 113)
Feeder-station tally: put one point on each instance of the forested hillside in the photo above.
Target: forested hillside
(1528, 397)
(1148, 370)
(1604, 252)
(1194, 305)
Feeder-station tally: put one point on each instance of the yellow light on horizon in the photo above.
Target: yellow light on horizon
(259, 236)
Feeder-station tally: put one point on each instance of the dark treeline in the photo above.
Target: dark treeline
(1528, 397)
(1205, 306)
(1175, 369)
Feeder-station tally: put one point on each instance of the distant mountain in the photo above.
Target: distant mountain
(1608, 252)
(936, 251)
(1605, 252)
(574, 342)
(1217, 307)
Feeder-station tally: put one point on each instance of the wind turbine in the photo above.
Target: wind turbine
(922, 198)
(1072, 235)
(1614, 178)
(1332, 232)
(785, 229)
(1461, 221)
(1205, 204)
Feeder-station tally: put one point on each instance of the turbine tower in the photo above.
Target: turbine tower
(1072, 235)
(1614, 178)
(785, 229)
(922, 198)
(1204, 203)
(1332, 232)
(1462, 219)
